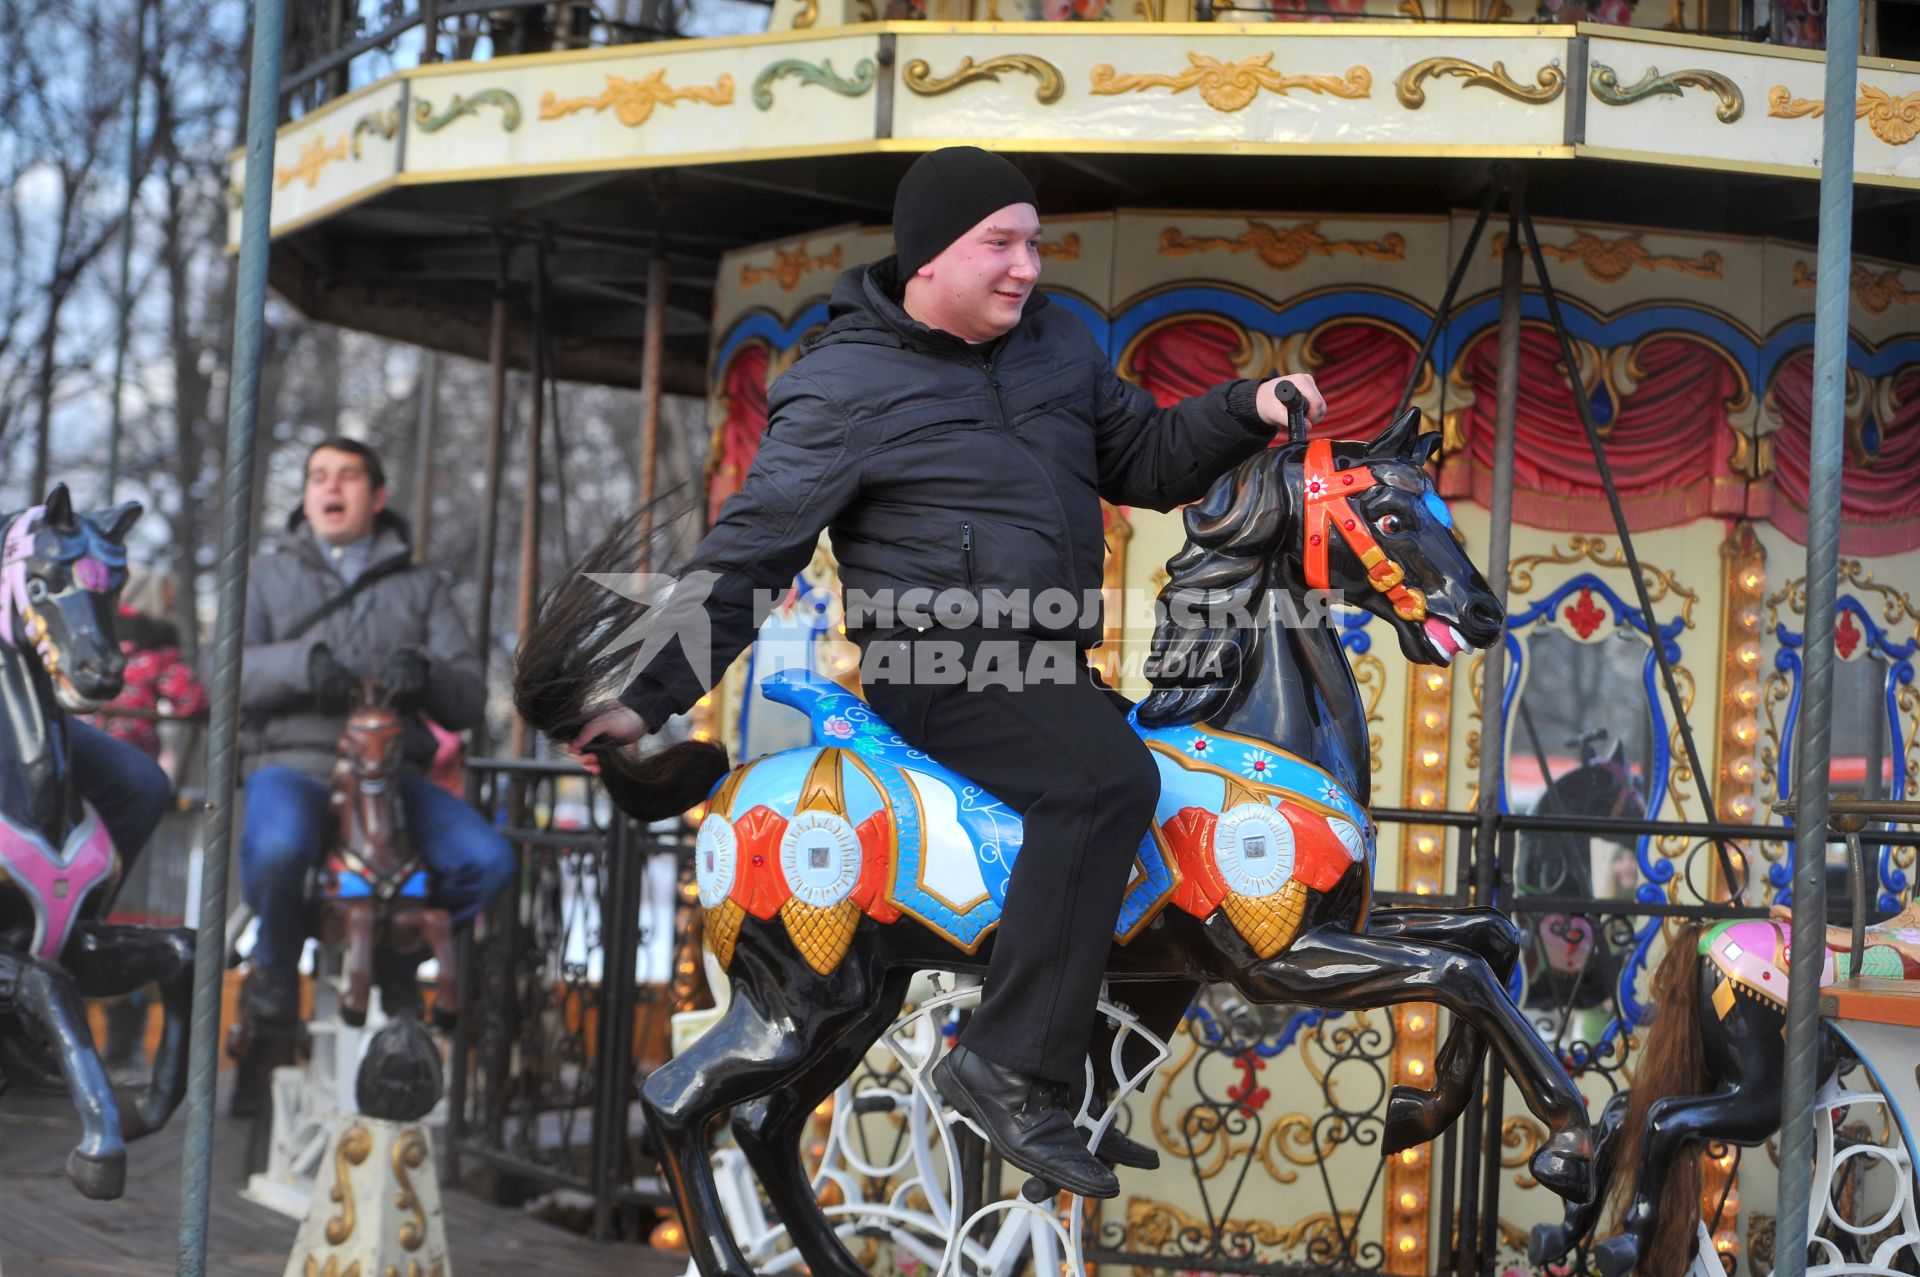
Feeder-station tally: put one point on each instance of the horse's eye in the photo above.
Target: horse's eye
(1391, 523)
(36, 590)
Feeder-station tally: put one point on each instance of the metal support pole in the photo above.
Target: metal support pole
(125, 297)
(529, 582)
(1446, 299)
(1831, 289)
(650, 358)
(423, 431)
(490, 500)
(1493, 682)
(236, 513)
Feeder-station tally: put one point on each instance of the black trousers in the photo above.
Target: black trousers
(1061, 754)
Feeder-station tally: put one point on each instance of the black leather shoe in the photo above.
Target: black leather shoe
(1025, 1120)
(273, 996)
(1117, 1148)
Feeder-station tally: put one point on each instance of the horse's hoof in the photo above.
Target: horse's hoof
(351, 1018)
(1547, 1243)
(1616, 1256)
(1409, 1114)
(101, 1178)
(445, 1021)
(134, 1122)
(1564, 1165)
(1038, 1191)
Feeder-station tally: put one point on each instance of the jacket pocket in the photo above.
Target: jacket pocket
(966, 552)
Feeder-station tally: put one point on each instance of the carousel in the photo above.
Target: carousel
(1583, 255)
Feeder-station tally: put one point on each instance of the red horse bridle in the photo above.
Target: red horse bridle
(1327, 489)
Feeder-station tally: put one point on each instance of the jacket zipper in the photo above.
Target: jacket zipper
(1039, 464)
(966, 550)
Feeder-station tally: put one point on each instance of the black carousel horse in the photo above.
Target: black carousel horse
(816, 979)
(61, 578)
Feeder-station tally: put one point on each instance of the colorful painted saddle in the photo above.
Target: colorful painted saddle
(1753, 954)
(860, 823)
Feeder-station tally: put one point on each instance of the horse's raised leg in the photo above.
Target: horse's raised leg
(44, 995)
(1338, 969)
(109, 960)
(437, 926)
(781, 1013)
(1549, 1242)
(769, 1130)
(358, 917)
(1416, 1115)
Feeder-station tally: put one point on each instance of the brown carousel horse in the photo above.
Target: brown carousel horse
(373, 887)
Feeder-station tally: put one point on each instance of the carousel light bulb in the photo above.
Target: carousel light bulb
(1747, 694)
(1753, 580)
(1433, 720)
(1429, 758)
(1425, 796)
(1408, 1243)
(1742, 807)
(1426, 844)
(1416, 1067)
(1410, 1157)
(1748, 653)
(701, 733)
(1409, 1200)
(1745, 730)
(1750, 617)
(1423, 886)
(1743, 770)
(1416, 1023)
(1436, 681)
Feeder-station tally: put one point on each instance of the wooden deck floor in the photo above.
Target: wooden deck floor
(48, 1230)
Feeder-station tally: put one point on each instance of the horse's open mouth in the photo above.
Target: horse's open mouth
(1444, 638)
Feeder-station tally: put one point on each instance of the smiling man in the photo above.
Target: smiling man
(957, 434)
(335, 601)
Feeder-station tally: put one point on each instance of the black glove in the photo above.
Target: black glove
(331, 683)
(405, 678)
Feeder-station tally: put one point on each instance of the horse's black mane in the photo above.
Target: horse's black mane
(1198, 658)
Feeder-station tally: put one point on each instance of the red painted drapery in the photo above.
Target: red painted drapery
(743, 398)
(1880, 476)
(1362, 368)
(1666, 443)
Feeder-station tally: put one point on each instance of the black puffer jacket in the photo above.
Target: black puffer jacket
(942, 465)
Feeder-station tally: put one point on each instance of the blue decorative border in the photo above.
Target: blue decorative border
(1657, 873)
(1899, 659)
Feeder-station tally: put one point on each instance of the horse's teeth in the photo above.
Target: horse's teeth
(1459, 640)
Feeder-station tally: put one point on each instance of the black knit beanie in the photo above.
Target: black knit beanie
(944, 195)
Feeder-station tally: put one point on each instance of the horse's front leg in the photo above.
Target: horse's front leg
(1416, 1116)
(109, 960)
(358, 917)
(44, 995)
(1337, 969)
(437, 926)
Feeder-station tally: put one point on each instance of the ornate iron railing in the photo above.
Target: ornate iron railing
(545, 1078)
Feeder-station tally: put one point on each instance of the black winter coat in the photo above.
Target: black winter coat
(941, 465)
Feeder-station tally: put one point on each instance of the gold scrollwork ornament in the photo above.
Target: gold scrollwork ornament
(918, 75)
(1549, 81)
(355, 1147)
(1232, 86)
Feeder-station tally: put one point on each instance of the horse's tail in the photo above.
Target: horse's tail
(570, 661)
(1674, 1062)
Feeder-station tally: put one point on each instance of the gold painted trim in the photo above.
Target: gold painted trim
(1601, 32)
(410, 1153)
(1605, 83)
(314, 158)
(355, 1147)
(822, 790)
(789, 267)
(307, 219)
(1231, 86)
(1894, 120)
(1754, 168)
(633, 101)
(1550, 80)
(1607, 261)
(1283, 248)
(918, 75)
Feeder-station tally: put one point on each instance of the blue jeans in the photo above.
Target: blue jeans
(288, 820)
(126, 787)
